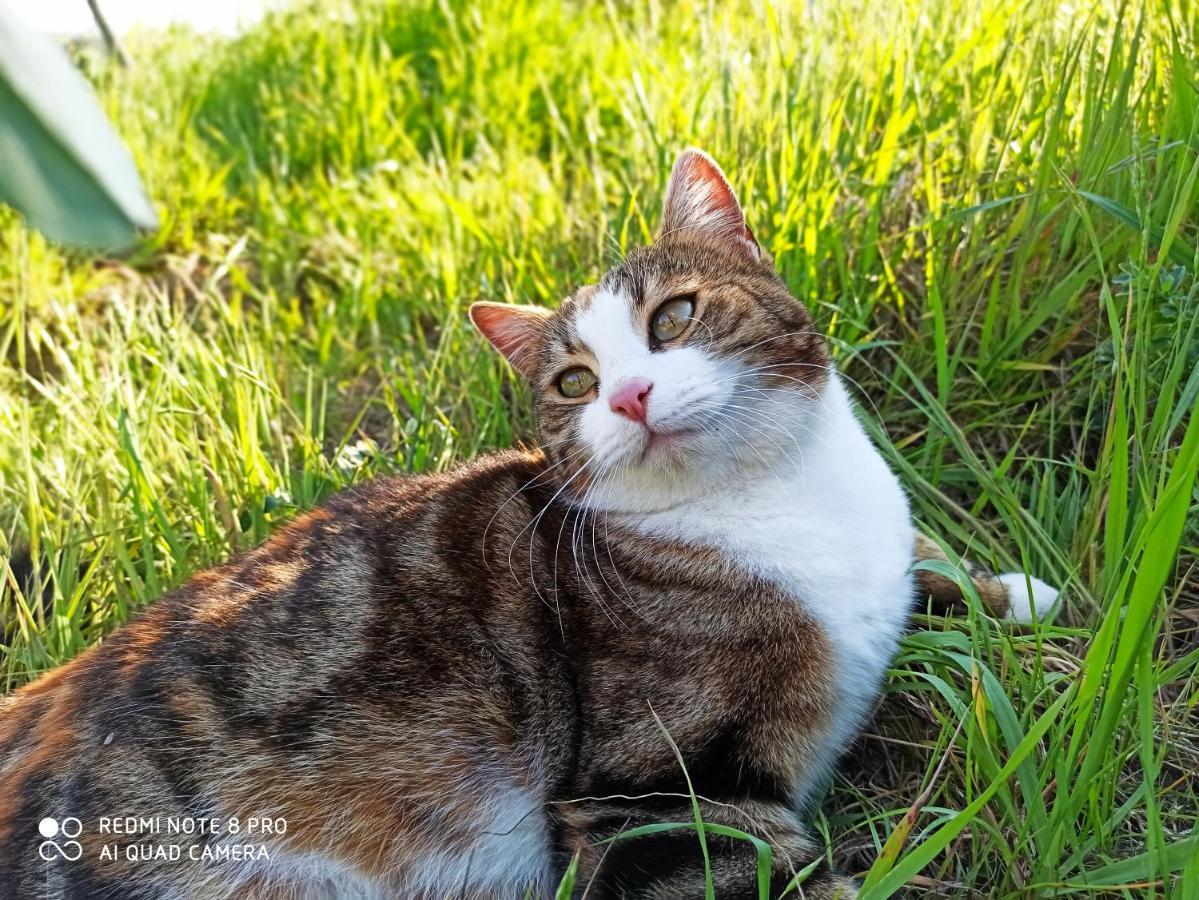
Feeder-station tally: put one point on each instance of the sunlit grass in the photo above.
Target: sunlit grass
(988, 206)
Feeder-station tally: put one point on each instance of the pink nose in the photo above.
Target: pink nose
(630, 397)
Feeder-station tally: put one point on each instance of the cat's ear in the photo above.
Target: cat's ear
(700, 197)
(514, 330)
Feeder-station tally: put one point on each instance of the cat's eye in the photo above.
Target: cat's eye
(671, 318)
(576, 382)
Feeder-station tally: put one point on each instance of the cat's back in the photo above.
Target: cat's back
(348, 650)
(315, 580)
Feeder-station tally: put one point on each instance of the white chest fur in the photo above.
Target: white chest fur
(831, 525)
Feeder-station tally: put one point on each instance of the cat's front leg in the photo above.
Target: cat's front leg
(616, 862)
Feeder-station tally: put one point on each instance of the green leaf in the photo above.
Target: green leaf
(1140, 867)
(1177, 249)
(923, 854)
(566, 887)
(64, 167)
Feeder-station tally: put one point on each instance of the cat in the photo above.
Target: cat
(452, 685)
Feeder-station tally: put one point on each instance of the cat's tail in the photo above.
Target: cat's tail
(1015, 596)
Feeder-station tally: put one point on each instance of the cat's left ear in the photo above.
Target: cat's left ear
(699, 197)
(513, 330)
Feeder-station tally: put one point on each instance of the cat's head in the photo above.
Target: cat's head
(690, 361)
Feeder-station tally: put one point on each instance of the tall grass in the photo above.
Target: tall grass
(989, 207)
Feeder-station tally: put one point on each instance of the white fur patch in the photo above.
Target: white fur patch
(509, 854)
(314, 876)
(1029, 599)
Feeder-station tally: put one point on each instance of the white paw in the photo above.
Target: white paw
(1029, 599)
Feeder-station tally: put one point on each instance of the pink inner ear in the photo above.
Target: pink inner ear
(700, 178)
(513, 330)
(700, 197)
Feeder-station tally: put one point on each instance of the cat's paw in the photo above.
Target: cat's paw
(1029, 599)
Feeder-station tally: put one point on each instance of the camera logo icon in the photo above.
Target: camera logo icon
(60, 840)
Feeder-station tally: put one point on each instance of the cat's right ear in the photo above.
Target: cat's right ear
(513, 330)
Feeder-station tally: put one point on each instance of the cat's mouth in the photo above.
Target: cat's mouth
(666, 443)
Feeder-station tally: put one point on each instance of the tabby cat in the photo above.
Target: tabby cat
(451, 685)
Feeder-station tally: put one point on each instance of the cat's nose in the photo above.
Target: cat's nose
(630, 398)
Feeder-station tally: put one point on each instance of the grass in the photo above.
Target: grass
(988, 206)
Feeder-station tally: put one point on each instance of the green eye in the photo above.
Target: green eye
(576, 382)
(672, 317)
